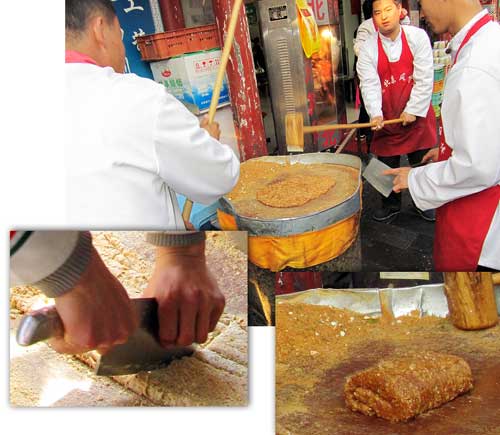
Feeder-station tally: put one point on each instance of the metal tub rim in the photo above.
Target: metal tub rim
(428, 299)
(288, 226)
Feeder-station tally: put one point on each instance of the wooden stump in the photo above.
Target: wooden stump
(471, 299)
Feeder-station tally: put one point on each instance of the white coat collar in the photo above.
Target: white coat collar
(387, 40)
(460, 36)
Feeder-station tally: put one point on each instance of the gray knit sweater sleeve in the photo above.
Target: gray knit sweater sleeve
(66, 277)
(53, 261)
(175, 238)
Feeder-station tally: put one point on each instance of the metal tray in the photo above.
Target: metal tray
(312, 399)
(428, 300)
(302, 224)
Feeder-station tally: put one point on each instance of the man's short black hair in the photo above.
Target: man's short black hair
(398, 2)
(368, 9)
(78, 12)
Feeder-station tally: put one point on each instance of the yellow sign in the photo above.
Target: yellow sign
(308, 28)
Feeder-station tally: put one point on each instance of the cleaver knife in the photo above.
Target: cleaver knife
(373, 174)
(382, 183)
(142, 351)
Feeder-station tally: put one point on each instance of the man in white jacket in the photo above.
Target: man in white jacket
(395, 68)
(365, 31)
(464, 183)
(93, 305)
(130, 145)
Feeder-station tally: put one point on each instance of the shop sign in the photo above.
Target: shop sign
(320, 9)
(136, 19)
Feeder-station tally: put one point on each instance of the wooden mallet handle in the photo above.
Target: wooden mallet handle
(328, 127)
(295, 129)
(228, 43)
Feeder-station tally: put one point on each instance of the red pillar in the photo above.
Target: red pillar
(243, 91)
(171, 14)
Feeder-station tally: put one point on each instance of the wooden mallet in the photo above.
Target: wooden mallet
(471, 299)
(214, 102)
(295, 129)
(496, 278)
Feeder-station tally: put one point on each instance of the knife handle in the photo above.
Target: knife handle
(39, 325)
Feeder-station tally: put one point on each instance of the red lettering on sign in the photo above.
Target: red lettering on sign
(318, 8)
(330, 139)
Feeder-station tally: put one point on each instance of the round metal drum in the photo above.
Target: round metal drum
(309, 221)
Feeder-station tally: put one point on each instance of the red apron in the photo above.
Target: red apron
(462, 224)
(396, 79)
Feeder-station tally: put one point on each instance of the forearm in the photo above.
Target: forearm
(474, 165)
(369, 83)
(182, 147)
(53, 261)
(436, 184)
(420, 99)
(423, 77)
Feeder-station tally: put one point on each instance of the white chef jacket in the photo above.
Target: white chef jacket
(423, 74)
(129, 147)
(471, 122)
(366, 29)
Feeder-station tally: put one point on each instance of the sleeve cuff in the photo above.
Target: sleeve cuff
(175, 239)
(375, 113)
(415, 112)
(412, 183)
(65, 278)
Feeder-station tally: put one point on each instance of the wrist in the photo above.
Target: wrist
(180, 255)
(175, 238)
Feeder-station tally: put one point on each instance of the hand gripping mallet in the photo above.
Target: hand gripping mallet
(228, 43)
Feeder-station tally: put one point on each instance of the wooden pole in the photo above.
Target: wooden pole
(237, 61)
(214, 102)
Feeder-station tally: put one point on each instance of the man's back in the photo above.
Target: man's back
(127, 142)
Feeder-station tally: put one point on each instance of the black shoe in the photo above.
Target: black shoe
(386, 214)
(428, 215)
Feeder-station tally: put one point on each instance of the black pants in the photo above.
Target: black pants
(363, 118)
(485, 269)
(394, 199)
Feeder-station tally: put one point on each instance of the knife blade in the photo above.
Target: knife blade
(142, 351)
(373, 174)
